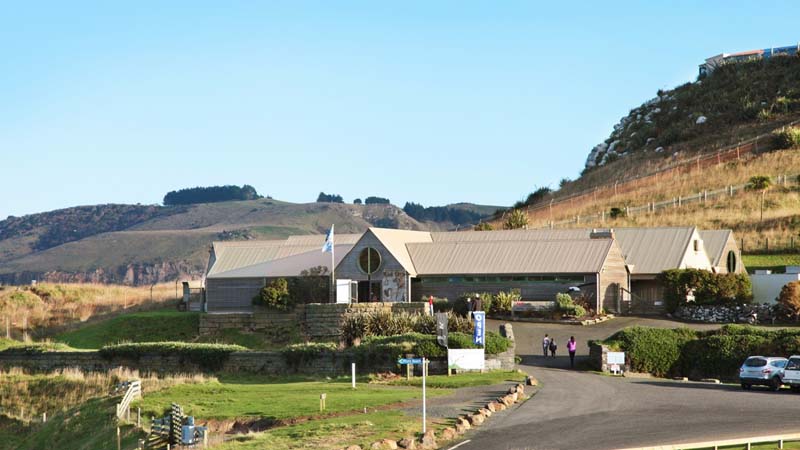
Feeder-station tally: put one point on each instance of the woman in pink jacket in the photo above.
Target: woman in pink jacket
(571, 347)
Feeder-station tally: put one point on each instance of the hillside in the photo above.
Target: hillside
(137, 244)
(684, 158)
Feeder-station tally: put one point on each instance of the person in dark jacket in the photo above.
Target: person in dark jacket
(553, 347)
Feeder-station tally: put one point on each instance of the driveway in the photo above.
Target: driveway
(581, 410)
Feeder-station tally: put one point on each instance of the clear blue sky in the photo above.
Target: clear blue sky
(432, 102)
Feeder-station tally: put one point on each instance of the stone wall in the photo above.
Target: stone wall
(316, 321)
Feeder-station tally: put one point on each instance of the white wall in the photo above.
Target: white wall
(696, 259)
(767, 287)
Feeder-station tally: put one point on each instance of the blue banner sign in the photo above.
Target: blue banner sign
(409, 361)
(479, 336)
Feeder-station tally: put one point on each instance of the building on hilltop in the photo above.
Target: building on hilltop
(615, 270)
(751, 55)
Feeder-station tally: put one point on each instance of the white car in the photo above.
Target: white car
(791, 374)
(763, 371)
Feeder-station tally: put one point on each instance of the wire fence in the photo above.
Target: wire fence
(743, 150)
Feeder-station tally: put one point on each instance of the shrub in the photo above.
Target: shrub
(721, 355)
(789, 298)
(652, 350)
(207, 356)
(568, 307)
(787, 138)
(385, 323)
(312, 286)
(709, 288)
(355, 327)
(274, 295)
(517, 219)
(616, 213)
(503, 301)
(301, 354)
(483, 226)
(440, 304)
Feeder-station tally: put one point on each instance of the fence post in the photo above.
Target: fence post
(139, 417)
(627, 211)
(679, 200)
(705, 195)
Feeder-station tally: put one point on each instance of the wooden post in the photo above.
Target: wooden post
(322, 402)
(139, 417)
(205, 439)
(44, 417)
(8, 328)
(119, 440)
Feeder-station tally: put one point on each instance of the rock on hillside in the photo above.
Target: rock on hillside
(743, 94)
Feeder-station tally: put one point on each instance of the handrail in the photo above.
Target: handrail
(134, 391)
(780, 438)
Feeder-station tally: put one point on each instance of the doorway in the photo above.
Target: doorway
(364, 294)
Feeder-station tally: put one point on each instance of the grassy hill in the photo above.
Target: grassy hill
(703, 136)
(137, 244)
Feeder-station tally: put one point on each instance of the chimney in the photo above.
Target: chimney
(602, 233)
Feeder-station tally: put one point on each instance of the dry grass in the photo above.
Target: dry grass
(47, 306)
(741, 212)
(24, 396)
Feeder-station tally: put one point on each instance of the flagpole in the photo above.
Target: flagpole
(333, 275)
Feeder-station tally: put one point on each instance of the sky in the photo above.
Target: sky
(430, 102)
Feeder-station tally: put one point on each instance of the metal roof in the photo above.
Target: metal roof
(510, 257)
(290, 266)
(235, 254)
(714, 242)
(511, 235)
(396, 242)
(310, 240)
(654, 250)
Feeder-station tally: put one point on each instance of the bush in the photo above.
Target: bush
(440, 304)
(503, 301)
(301, 354)
(207, 356)
(709, 288)
(516, 219)
(787, 138)
(789, 298)
(566, 305)
(616, 212)
(274, 295)
(312, 286)
(462, 306)
(355, 327)
(652, 350)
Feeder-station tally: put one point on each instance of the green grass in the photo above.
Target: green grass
(278, 398)
(89, 426)
(278, 338)
(468, 379)
(157, 326)
(775, 262)
(11, 344)
(334, 433)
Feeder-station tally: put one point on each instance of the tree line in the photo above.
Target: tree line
(210, 194)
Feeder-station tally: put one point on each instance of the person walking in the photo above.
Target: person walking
(571, 347)
(553, 347)
(545, 344)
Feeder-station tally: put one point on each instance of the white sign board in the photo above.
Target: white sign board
(465, 358)
(344, 292)
(615, 358)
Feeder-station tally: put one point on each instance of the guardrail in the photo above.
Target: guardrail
(780, 439)
(124, 406)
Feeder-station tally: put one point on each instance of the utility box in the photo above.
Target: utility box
(346, 291)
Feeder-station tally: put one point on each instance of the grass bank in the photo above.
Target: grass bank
(774, 262)
(155, 326)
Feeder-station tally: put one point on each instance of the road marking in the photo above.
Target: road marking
(460, 444)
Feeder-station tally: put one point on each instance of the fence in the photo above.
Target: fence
(778, 439)
(124, 406)
(675, 202)
(744, 149)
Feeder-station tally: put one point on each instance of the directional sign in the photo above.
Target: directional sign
(409, 361)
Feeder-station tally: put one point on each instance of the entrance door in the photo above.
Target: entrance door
(364, 294)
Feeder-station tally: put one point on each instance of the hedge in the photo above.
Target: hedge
(710, 354)
(207, 356)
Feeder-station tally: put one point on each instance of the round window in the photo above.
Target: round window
(731, 262)
(369, 260)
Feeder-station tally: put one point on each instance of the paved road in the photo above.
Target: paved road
(577, 410)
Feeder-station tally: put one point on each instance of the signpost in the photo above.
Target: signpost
(424, 363)
(615, 361)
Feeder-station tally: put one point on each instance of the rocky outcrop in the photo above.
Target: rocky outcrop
(725, 313)
(130, 274)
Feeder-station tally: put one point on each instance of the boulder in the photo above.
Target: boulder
(485, 412)
(384, 444)
(492, 406)
(506, 400)
(520, 389)
(499, 406)
(530, 381)
(407, 443)
(463, 422)
(462, 428)
(448, 434)
(428, 440)
(353, 447)
(476, 419)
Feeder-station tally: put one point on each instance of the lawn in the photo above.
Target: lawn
(468, 379)
(774, 262)
(156, 326)
(277, 398)
(335, 433)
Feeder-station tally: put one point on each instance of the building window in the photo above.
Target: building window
(369, 260)
(696, 245)
(731, 263)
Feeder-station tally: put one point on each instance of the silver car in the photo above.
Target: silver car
(763, 371)
(791, 374)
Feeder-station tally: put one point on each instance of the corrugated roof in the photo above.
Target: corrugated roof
(654, 250)
(510, 257)
(714, 242)
(511, 235)
(290, 266)
(236, 254)
(395, 241)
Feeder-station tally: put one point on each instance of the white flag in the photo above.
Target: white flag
(328, 246)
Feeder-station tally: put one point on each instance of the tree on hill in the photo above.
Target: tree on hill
(376, 201)
(329, 198)
(456, 216)
(538, 195)
(516, 220)
(789, 298)
(483, 226)
(357, 201)
(210, 194)
(760, 183)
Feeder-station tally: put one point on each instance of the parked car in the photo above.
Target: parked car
(762, 371)
(791, 375)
